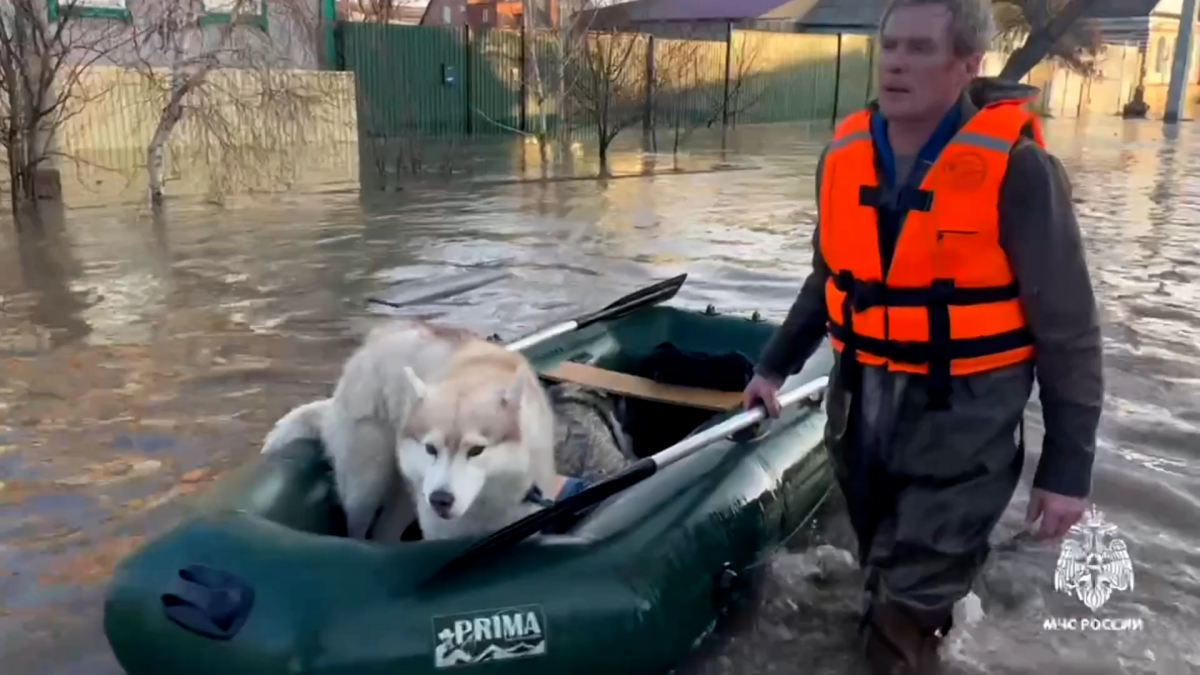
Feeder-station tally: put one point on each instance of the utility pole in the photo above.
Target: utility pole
(1183, 59)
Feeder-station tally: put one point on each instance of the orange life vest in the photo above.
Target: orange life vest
(948, 304)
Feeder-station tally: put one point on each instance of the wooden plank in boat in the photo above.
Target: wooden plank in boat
(640, 387)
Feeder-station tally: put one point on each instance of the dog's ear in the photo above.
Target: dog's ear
(511, 397)
(418, 385)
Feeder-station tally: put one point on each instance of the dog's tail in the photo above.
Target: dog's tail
(301, 422)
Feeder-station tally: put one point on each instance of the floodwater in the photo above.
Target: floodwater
(143, 358)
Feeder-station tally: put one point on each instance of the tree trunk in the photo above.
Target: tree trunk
(184, 37)
(156, 161)
(172, 113)
(1042, 40)
(562, 104)
(21, 84)
(155, 152)
(529, 44)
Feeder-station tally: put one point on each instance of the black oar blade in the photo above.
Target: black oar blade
(491, 546)
(644, 297)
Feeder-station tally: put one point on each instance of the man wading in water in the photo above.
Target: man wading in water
(947, 269)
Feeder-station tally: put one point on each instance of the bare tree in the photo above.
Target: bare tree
(45, 52)
(1051, 28)
(690, 91)
(609, 84)
(228, 84)
(557, 44)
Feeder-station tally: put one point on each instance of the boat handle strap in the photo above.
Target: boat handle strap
(209, 602)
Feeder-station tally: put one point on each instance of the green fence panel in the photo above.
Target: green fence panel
(410, 79)
(496, 81)
(444, 81)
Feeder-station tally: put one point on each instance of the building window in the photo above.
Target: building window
(1160, 62)
(101, 9)
(485, 15)
(247, 8)
(445, 14)
(221, 11)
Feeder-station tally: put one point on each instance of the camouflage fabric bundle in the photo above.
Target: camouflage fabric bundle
(589, 443)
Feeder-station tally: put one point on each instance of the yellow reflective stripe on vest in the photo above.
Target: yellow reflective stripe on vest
(981, 141)
(850, 138)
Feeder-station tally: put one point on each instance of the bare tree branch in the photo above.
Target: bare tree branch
(226, 89)
(685, 101)
(1050, 28)
(609, 85)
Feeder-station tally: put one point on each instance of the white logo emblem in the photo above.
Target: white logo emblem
(1094, 563)
(489, 635)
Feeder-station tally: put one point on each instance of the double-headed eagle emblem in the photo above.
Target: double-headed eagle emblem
(1093, 563)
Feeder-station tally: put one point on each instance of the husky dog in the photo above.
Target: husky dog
(478, 450)
(441, 424)
(371, 403)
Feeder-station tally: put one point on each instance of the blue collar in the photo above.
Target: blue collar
(929, 153)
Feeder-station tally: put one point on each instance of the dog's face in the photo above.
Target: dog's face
(463, 444)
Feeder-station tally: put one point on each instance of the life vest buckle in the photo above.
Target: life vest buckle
(900, 200)
(863, 295)
(941, 291)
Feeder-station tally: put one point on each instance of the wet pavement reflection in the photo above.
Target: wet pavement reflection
(144, 357)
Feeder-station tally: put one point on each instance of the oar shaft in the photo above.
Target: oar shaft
(639, 299)
(736, 423)
(542, 335)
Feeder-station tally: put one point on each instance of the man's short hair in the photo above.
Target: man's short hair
(971, 22)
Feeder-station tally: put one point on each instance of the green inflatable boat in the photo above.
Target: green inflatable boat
(624, 577)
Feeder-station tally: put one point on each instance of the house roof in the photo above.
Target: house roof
(834, 13)
(809, 12)
(691, 10)
(1119, 9)
(824, 13)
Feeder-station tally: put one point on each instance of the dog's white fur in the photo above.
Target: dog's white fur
(481, 435)
(412, 385)
(360, 423)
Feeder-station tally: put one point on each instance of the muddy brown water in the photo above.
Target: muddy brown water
(143, 358)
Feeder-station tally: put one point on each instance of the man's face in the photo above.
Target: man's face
(920, 76)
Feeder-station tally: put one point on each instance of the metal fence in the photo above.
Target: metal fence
(435, 81)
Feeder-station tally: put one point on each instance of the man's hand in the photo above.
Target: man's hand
(1058, 513)
(765, 389)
